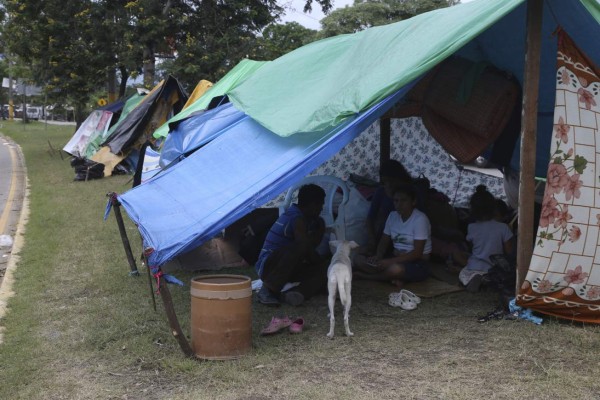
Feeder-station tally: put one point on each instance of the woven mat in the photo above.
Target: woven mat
(432, 287)
(441, 282)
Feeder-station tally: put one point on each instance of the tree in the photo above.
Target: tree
(200, 39)
(113, 24)
(151, 24)
(55, 38)
(74, 47)
(277, 40)
(214, 36)
(364, 14)
(208, 37)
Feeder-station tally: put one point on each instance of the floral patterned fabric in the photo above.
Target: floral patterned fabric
(564, 274)
(421, 154)
(418, 151)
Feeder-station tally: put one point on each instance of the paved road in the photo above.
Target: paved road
(12, 192)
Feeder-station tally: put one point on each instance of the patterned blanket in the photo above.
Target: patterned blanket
(564, 275)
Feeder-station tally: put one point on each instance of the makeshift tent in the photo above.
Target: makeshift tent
(198, 92)
(305, 106)
(237, 75)
(95, 126)
(165, 99)
(151, 166)
(241, 169)
(93, 144)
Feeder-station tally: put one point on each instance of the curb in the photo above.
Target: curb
(6, 285)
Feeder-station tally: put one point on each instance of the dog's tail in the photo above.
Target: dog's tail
(342, 291)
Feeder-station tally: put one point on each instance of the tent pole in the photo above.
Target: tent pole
(117, 207)
(385, 129)
(528, 139)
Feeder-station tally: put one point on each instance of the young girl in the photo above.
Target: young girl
(487, 236)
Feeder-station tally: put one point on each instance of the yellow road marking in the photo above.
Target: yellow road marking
(11, 192)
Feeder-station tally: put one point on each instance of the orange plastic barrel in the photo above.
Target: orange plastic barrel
(221, 316)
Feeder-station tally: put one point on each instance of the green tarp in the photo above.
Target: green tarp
(593, 6)
(233, 78)
(321, 84)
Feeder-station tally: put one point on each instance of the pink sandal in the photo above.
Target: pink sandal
(297, 326)
(276, 325)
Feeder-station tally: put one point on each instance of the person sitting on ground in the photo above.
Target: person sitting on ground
(289, 253)
(409, 231)
(487, 236)
(391, 174)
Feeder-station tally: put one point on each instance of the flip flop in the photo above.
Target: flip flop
(297, 326)
(276, 325)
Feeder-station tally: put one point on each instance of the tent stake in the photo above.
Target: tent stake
(117, 207)
(528, 139)
(176, 331)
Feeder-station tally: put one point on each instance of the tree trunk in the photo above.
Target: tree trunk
(123, 84)
(149, 66)
(112, 85)
(79, 114)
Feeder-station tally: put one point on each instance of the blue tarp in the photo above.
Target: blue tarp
(238, 171)
(114, 107)
(194, 132)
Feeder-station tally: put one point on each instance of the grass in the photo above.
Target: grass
(81, 328)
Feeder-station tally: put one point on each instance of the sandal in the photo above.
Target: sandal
(401, 300)
(276, 325)
(498, 313)
(297, 326)
(411, 296)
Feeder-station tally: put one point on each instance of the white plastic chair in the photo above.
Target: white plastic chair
(330, 184)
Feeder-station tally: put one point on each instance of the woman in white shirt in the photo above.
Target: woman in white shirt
(409, 231)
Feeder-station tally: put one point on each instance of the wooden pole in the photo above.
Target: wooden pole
(385, 129)
(176, 331)
(123, 232)
(528, 139)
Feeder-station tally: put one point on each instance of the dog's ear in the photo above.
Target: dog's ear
(353, 244)
(334, 243)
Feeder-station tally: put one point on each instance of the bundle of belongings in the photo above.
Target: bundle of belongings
(87, 169)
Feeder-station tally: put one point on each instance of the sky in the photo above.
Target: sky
(311, 20)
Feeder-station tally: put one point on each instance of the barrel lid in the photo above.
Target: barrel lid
(221, 282)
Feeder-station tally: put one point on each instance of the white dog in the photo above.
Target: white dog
(339, 276)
